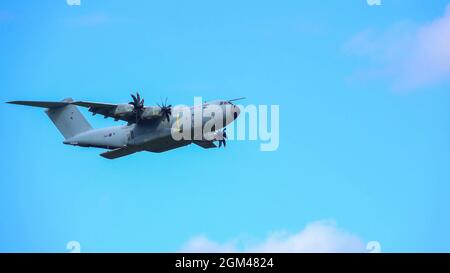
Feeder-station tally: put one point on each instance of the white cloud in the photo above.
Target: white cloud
(321, 236)
(201, 243)
(412, 56)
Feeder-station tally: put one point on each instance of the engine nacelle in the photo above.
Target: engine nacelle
(123, 109)
(151, 112)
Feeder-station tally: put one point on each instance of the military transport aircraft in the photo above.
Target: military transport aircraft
(148, 128)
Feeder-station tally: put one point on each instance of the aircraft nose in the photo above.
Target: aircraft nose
(236, 112)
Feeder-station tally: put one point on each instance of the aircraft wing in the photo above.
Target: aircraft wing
(105, 109)
(43, 104)
(94, 104)
(205, 144)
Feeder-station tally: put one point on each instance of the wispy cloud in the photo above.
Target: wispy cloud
(321, 236)
(411, 56)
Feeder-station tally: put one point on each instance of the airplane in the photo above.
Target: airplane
(148, 128)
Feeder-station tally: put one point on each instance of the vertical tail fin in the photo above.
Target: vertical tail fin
(66, 117)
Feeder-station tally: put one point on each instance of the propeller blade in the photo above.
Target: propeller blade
(237, 99)
(165, 110)
(222, 142)
(223, 138)
(134, 99)
(138, 105)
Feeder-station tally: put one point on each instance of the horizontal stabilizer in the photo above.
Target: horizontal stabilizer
(43, 104)
(119, 152)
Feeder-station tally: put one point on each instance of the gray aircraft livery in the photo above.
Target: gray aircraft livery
(148, 128)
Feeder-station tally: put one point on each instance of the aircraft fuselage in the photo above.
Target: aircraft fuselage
(149, 135)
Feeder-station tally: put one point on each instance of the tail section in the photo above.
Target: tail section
(69, 120)
(66, 117)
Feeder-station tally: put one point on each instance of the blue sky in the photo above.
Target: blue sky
(364, 123)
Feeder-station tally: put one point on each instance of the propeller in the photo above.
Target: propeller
(138, 105)
(166, 110)
(237, 99)
(223, 138)
(230, 101)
